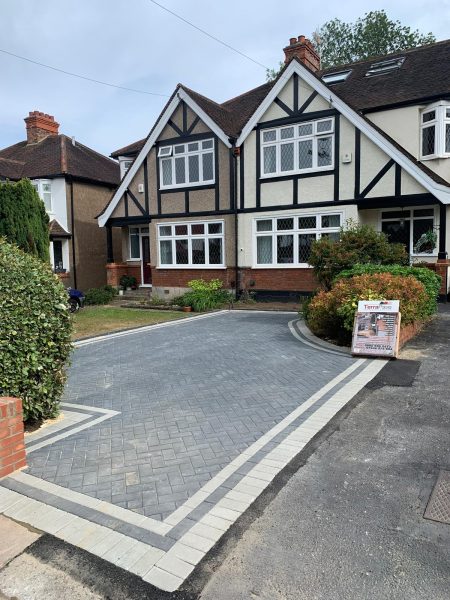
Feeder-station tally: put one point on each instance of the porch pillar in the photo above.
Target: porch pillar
(109, 245)
(442, 255)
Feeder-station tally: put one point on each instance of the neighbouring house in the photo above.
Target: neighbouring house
(239, 190)
(75, 183)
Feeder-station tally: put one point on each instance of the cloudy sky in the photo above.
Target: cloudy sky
(138, 45)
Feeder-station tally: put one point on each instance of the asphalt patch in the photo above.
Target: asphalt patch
(397, 373)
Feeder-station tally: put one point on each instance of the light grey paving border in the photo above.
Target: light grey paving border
(68, 418)
(299, 329)
(167, 570)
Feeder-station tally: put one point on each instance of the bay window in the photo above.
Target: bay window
(435, 131)
(191, 245)
(283, 241)
(297, 148)
(187, 164)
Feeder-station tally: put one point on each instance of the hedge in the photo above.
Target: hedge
(331, 313)
(101, 295)
(430, 280)
(205, 295)
(36, 328)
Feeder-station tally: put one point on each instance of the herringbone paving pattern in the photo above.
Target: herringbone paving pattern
(191, 398)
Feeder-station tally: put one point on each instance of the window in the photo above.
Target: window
(191, 244)
(385, 66)
(125, 164)
(286, 241)
(435, 131)
(58, 265)
(134, 244)
(336, 77)
(188, 164)
(415, 229)
(44, 189)
(297, 148)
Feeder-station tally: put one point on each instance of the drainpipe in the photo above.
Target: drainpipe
(72, 219)
(236, 221)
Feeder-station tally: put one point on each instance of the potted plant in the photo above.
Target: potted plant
(128, 282)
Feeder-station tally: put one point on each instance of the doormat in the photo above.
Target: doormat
(438, 508)
(399, 373)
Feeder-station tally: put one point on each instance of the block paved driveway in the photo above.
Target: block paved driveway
(189, 397)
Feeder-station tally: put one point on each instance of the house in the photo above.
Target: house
(75, 183)
(240, 190)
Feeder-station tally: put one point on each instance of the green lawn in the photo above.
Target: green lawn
(95, 320)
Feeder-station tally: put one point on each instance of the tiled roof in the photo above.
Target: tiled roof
(57, 155)
(56, 230)
(130, 150)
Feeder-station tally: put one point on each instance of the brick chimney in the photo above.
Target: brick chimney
(304, 50)
(40, 126)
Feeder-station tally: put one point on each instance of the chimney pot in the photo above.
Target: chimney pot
(40, 125)
(292, 41)
(301, 38)
(302, 49)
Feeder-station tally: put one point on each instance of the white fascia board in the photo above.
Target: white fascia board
(441, 192)
(204, 117)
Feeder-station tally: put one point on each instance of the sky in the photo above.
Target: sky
(138, 45)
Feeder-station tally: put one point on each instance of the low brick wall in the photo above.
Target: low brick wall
(12, 443)
(407, 332)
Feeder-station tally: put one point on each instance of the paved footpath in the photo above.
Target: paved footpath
(169, 435)
(349, 524)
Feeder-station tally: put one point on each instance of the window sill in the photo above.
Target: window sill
(133, 260)
(193, 267)
(283, 266)
(182, 186)
(294, 173)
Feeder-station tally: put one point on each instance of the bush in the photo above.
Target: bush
(331, 313)
(358, 244)
(128, 281)
(35, 332)
(205, 295)
(430, 280)
(23, 219)
(101, 295)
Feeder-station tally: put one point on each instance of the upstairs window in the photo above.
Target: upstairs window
(298, 148)
(189, 164)
(125, 164)
(435, 131)
(44, 189)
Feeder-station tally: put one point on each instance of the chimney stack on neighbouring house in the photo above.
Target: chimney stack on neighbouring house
(304, 50)
(40, 126)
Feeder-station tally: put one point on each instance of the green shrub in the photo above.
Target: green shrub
(430, 280)
(23, 219)
(358, 244)
(128, 281)
(35, 332)
(331, 313)
(205, 295)
(101, 295)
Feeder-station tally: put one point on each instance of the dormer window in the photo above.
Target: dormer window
(435, 131)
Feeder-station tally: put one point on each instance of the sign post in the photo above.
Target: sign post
(376, 328)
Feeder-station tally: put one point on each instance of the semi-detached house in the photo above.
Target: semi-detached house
(240, 190)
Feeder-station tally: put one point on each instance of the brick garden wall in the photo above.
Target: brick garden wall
(12, 444)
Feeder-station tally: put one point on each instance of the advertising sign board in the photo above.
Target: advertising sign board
(376, 328)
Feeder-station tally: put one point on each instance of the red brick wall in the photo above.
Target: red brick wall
(440, 268)
(12, 445)
(180, 277)
(114, 272)
(289, 280)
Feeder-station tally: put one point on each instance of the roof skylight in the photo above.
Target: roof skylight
(385, 66)
(336, 77)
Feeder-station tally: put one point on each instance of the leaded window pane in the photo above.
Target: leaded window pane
(285, 249)
(181, 252)
(305, 241)
(305, 157)
(307, 222)
(429, 116)
(215, 251)
(269, 136)
(181, 229)
(331, 220)
(422, 229)
(265, 225)
(447, 137)
(166, 252)
(332, 235)
(166, 166)
(178, 149)
(194, 168)
(165, 230)
(214, 227)
(270, 159)
(180, 170)
(285, 224)
(198, 229)
(305, 129)
(264, 250)
(324, 150)
(287, 133)
(193, 147)
(287, 157)
(208, 166)
(324, 126)
(207, 144)
(428, 140)
(198, 251)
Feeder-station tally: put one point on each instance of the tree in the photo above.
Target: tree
(369, 36)
(23, 220)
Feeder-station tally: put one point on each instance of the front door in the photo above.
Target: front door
(146, 269)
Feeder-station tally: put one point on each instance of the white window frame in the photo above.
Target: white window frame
(278, 142)
(142, 231)
(123, 160)
(38, 184)
(189, 236)
(319, 230)
(173, 154)
(409, 216)
(440, 123)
